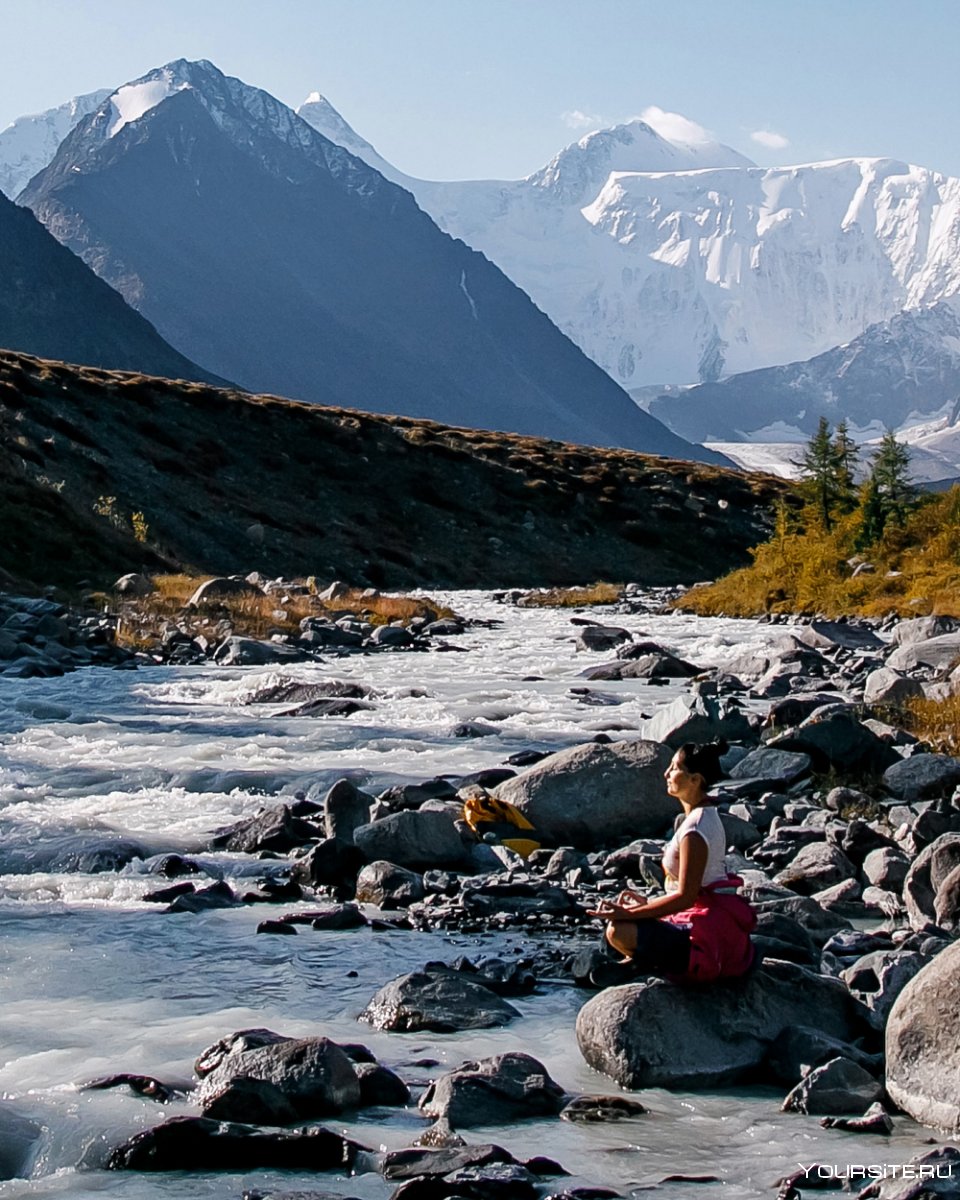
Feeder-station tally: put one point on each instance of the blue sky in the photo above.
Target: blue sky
(493, 88)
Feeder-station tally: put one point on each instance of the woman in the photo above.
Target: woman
(700, 929)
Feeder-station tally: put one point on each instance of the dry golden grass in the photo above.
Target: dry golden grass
(936, 722)
(573, 597)
(143, 619)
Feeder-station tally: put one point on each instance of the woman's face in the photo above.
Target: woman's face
(679, 780)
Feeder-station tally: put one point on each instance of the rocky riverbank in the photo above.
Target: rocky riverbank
(844, 828)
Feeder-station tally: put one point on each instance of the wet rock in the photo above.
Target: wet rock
(492, 1091)
(274, 829)
(18, 1139)
(250, 1102)
(141, 1085)
(381, 1087)
(341, 916)
(235, 1043)
(923, 1052)
(414, 839)
(839, 1087)
(248, 652)
(283, 928)
(327, 708)
(345, 809)
(217, 895)
(923, 777)
(815, 867)
(393, 636)
(798, 1049)
(601, 1108)
(887, 687)
(331, 863)
(591, 794)
(388, 886)
(423, 1162)
(601, 637)
(656, 1034)
(313, 1074)
(928, 872)
(202, 1144)
(445, 1002)
(874, 1120)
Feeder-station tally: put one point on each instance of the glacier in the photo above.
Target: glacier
(29, 143)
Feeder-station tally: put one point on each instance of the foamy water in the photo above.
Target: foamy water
(96, 981)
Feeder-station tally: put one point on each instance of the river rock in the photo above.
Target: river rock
(946, 903)
(601, 637)
(381, 1087)
(442, 1001)
(235, 1043)
(921, 629)
(923, 1044)
(250, 1102)
(415, 839)
(886, 868)
(492, 1091)
(698, 717)
(878, 978)
(657, 1034)
(923, 777)
(18, 1139)
(592, 1109)
(313, 1074)
(837, 740)
(418, 1162)
(936, 653)
(929, 870)
(248, 652)
(202, 1144)
(815, 867)
(592, 794)
(272, 829)
(773, 769)
(886, 686)
(798, 1049)
(388, 886)
(393, 636)
(331, 863)
(345, 809)
(837, 1088)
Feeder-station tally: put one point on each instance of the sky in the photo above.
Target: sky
(469, 89)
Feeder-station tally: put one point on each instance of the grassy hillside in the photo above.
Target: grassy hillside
(142, 468)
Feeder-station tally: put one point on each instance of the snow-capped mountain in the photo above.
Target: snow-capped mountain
(29, 143)
(280, 260)
(670, 262)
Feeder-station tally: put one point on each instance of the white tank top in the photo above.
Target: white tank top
(706, 822)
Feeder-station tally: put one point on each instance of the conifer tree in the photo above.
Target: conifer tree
(888, 495)
(845, 466)
(818, 473)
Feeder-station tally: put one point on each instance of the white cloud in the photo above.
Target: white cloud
(577, 119)
(674, 127)
(772, 141)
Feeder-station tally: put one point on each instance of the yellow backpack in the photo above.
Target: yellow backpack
(485, 814)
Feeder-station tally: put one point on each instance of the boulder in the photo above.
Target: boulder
(698, 717)
(381, 1087)
(594, 794)
(878, 978)
(889, 687)
(235, 1043)
(248, 652)
(657, 1034)
(414, 838)
(202, 1144)
(250, 1102)
(493, 1091)
(422, 1161)
(815, 867)
(839, 1087)
(886, 868)
(921, 629)
(946, 902)
(134, 585)
(836, 740)
(923, 1044)
(774, 769)
(330, 863)
(273, 829)
(345, 809)
(313, 1074)
(801, 1048)
(601, 637)
(391, 635)
(442, 1001)
(923, 777)
(937, 653)
(213, 591)
(388, 886)
(928, 872)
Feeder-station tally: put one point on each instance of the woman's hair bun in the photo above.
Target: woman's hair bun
(703, 758)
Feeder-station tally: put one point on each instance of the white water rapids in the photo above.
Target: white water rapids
(95, 981)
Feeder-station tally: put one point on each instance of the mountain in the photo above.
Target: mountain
(673, 263)
(53, 305)
(229, 482)
(29, 143)
(279, 260)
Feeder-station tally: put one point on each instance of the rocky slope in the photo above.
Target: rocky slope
(229, 482)
(282, 262)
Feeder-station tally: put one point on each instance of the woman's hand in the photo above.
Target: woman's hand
(629, 899)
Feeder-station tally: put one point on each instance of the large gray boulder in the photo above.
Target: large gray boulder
(388, 886)
(492, 1091)
(416, 839)
(313, 1074)
(885, 686)
(923, 1044)
(836, 739)
(923, 777)
(878, 978)
(921, 629)
(815, 867)
(441, 1001)
(929, 870)
(839, 1086)
(345, 809)
(248, 652)
(937, 653)
(657, 1034)
(592, 794)
(774, 769)
(697, 717)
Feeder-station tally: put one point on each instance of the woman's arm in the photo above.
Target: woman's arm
(693, 863)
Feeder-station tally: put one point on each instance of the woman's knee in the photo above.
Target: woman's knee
(622, 936)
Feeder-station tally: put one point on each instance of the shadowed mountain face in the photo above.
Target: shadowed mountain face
(280, 261)
(227, 482)
(54, 306)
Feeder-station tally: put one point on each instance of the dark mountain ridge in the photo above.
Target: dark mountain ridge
(278, 260)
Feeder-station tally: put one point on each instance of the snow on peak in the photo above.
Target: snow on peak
(29, 143)
(130, 102)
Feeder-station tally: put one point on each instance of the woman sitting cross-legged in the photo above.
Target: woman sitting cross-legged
(699, 929)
